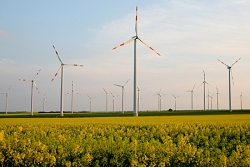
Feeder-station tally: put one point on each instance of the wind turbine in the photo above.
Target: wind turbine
(7, 97)
(138, 90)
(204, 83)
(175, 101)
(159, 99)
(32, 89)
(134, 38)
(62, 80)
(217, 95)
(90, 102)
(122, 86)
(208, 96)
(230, 73)
(106, 99)
(72, 97)
(241, 100)
(44, 101)
(212, 101)
(113, 101)
(192, 93)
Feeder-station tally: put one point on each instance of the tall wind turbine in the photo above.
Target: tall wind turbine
(134, 38)
(122, 86)
(113, 101)
(138, 98)
(7, 97)
(106, 99)
(32, 89)
(90, 102)
(72, 97)
(192, 93)
(62, 80)
(230, 73)
(175, 101)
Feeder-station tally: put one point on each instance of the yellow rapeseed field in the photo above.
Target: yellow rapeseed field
(222, 140)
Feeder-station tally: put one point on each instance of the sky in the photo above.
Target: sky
(190, 35)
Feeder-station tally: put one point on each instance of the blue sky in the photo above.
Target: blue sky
(190, 35)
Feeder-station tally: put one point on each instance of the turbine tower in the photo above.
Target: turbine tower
(7, 97)
(122, 86)
(72, 97)
(32, 90)
(192, 101)
(62, 80)
(135, 112)
(106, 99)
(230, 73)
(175, 101)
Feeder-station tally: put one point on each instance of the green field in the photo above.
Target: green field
(98, 140)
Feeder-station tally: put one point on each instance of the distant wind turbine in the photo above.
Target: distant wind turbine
(7, 97)
(72, 97)
(192, 93)
(208, 96)
(175, 101)
(113, 101)
(138, 90)
(241, 100)
(217, 95)
(122, 86)
(62, 80)
(135, 112)
(44, 101)
(106, 99)
(90, 102)
(204, 84)
(159, 99)
(32, 89)
(230, 73)
(212, 97)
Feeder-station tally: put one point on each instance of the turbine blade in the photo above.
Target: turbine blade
(235, 62)
(36, 87)
(57, 54)
(56, 73)
(105, 90)
(223, 63)
(24, 80)
(136, 19)
(73, 65)
(9, 88)
(118, 85)
(133, 38)
(36, 75)
(149, 47)
(126, 82)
